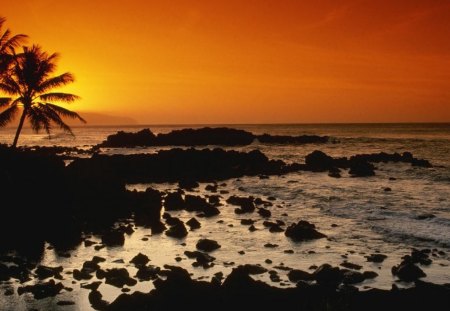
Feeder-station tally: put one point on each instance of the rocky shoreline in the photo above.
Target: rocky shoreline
(221, 136)
(65, 204)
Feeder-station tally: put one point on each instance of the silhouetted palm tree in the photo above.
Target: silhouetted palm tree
(8, 43)
(29, 82)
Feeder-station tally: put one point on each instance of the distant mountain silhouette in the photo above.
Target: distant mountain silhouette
(94, 118)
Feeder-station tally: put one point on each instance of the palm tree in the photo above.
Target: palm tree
(7, 45)
(29, 82)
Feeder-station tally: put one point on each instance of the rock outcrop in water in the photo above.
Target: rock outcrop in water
(303, 231)
(359, 165)
(220, 136)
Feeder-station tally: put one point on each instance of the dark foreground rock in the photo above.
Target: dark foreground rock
(239, 291)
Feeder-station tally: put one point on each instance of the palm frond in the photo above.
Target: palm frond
(4, 101)
(4, 38)
(15, 41)
(65, 112)
(8, 115)
(38, 119)
(62, 97)
(55, 82)
(9, 86)
(54, 116)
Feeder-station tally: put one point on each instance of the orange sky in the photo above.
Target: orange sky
(252, 61)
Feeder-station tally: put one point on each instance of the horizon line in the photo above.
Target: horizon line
(246, 124)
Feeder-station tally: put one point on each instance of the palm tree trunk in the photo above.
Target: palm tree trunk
(19, 128)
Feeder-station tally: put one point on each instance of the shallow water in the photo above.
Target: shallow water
(366, 219)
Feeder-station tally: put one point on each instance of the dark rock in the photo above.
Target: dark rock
(173, 201)
(303, 231)
(98, 259)
(147, 273)
(276, 228)
(99, 247)
(420, 256)
(211, 188)
(139, 260)
(118, 277)
(421, 163)
(282, 267)
(92, 286)
(65, 303)
(407, 271)
(205, 136)
(81, 275)
(199, 204)
(253, 269)
(378, 258)
(113, 238)
(352, 277)
(264, 212)
(202, 259)
(188, 184)
(369, 275)
(4, 273)
(90, 267)
(246, 204)
(193, 223)
(270, 245)
(273, 227)
(207, 245)
(88, 243)
(96, 301)
(44, 272)
(42, 290)
(350, 265)
(299, 275)
(158, 227)
(247, 222)
(129, 230)
(359, 168)
(123, 139)
(328, 275)
(214, 199)
(178, 231)
(317, 161)
(252, 228)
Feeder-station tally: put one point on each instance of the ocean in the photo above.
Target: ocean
(357, 214)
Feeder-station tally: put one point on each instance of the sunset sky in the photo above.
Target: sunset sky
(252, 61)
